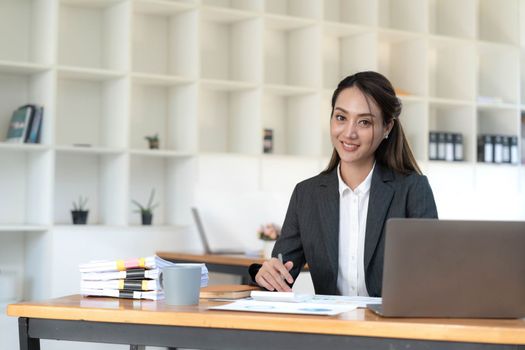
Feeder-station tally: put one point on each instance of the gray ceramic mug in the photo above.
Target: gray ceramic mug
(181, 284)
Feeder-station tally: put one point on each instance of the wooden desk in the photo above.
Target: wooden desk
(230, 264)
(123, 321)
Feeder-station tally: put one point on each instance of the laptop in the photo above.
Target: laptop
(440, 268)
(204, 239)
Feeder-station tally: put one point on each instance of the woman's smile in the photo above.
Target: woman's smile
(350, 147)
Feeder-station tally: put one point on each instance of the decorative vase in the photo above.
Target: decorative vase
(147, 218)
(268, 248)
(79, 216)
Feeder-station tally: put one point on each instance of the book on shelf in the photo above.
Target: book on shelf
(33, 135)
(125, 294)
(130, 285)
(19, 124)
(25, 124)
(446, 146)
(131, 274)
(499, 149)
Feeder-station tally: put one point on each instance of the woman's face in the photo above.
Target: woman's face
(356, 127)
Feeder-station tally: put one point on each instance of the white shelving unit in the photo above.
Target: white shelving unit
(208, 76)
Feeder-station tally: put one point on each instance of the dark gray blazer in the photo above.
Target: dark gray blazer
(310, 233)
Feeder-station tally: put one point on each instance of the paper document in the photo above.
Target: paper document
(279, 296)
(293, 303)
(358, 301)
(344, 300)
(251, 305)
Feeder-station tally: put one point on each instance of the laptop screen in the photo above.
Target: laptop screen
(200, 230)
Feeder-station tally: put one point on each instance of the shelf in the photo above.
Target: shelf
(18, 89)
(495, 105)
(451, 102)
(279, 22)
(168, 177)
(351, 11)
(498, 21)
(24, 147)
(399, 53)
(160, 7)
(13, 67)
(88, 73)
(295, 123)
(456, 118)
(339, 58)
(164, 39)
(227, 85)
(294, 8)
(23, 228)
(498, 67)
(288, 90)
(453, 18)
(289, 56)
(228, 121)
(27, 35)
(159, 79)
(495, 121)
(231, 50)
(415, 121)
(225, 15)
(410, 15)
(101, 177)
(91, 3)
(246, 5)
(163, 111)
(102, 25)
(25, 185)
(84, 149)
(452, 74)
(90, 111)
(394, 36)
(160, 153)
(344, 29)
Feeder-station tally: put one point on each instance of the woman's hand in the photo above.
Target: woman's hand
(273, 275)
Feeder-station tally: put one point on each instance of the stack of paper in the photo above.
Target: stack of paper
(136, 278)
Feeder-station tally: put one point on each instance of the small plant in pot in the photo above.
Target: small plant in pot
(80, 212)
(146, 211)
(153, 141)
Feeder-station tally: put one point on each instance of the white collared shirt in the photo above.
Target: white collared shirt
(353, 210)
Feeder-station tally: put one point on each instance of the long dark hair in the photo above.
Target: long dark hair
(393, 152)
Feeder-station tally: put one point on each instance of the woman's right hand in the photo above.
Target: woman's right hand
(273, 275)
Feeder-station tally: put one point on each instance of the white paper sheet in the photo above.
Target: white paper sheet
(285, 307)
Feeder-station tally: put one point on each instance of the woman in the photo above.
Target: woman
(336, 220)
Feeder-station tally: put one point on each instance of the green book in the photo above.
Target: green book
(19, 124)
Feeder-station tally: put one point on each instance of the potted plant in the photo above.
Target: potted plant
(268, 233)
(79, 212)
(153, 141)
(146, 211)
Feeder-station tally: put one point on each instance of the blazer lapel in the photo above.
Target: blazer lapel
(329, 214)
(381, 195)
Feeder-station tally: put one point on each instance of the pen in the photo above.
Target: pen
(280, 257)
